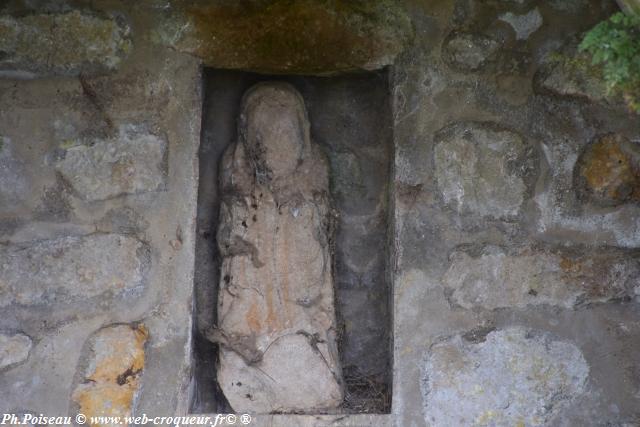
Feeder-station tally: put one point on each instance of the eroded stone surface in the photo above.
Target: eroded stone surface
(132, 162)
(469, 52)
(276, 309)
(68, 269)
(305, 37)
(111, 377)
(496, 279)
(513, 377)
(66, 43)
(14, 349)
(475, 169)
(609, 170)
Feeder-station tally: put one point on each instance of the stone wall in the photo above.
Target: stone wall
(516, 288)
(99, 131)
(516, 223)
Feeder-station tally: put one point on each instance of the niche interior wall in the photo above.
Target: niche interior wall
(350, 118)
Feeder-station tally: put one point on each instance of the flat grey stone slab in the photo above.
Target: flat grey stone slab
(498, 279)
(513, 377)
(69, 269)
(474, 169)
(132, 162)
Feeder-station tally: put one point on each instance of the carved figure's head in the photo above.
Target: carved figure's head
(274, 129)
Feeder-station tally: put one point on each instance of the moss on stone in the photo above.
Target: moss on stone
(301, 36)
(571, 73)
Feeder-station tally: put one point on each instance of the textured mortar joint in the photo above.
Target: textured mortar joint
(276, 312)
(476, 169)
(301, 37)
(524, 25)
(80, 43)
(511, 377)
(132, 162)
(115, 358)
(72, 269)
(497, 279)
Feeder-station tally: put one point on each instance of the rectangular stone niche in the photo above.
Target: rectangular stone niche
(350, 118)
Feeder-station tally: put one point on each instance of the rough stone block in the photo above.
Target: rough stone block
(568, 83)
(69, 269)
(609, 170)
(481, 169)
(132, 162)
(61, 43)
(14, 349)
(497, 279)
(275, 309)
(111, 372)
(588, 196)
(512, 377)
(568, 72)
(468, 51)
(302, 37)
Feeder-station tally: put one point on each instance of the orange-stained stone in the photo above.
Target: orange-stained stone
(105, 399)
(611, 169)
(253, 318)
(112, 377)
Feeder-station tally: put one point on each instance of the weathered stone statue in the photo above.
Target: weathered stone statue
(276, 318)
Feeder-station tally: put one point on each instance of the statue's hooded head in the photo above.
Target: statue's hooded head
(274, 129)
